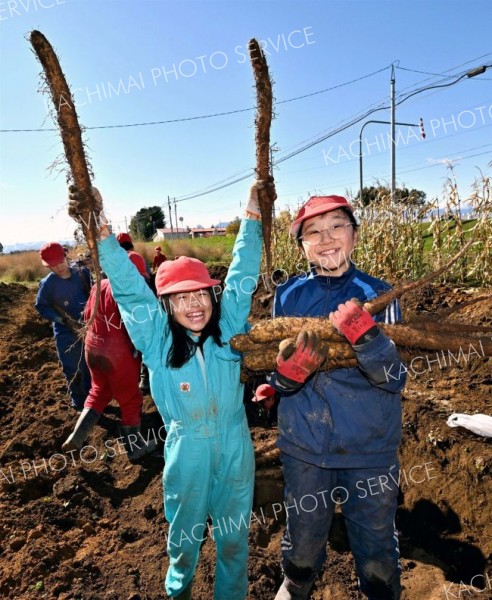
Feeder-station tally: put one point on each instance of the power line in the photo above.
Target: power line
(198, 117)
(324, 137)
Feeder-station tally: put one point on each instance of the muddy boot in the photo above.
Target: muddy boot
(136, 446)
(293, 591)
(186, 593)
(87, 420)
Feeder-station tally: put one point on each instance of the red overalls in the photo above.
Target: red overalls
(113, 362)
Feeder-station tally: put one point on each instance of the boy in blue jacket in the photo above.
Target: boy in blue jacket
(61, 299)
(339, 431)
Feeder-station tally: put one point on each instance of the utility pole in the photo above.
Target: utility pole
(393, 148)
(126, 225)
(361, 183)
(170, 216)
(176, 216)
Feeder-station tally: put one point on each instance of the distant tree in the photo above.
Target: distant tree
(411, 197)
(144, 224)
(233, 227)
(1, 248)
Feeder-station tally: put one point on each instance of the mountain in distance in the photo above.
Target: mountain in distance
(25, 246)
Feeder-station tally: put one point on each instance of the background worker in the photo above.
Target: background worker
(159, 258)
(61, 299)
(264, 397)
(114, 365)
(126, 242)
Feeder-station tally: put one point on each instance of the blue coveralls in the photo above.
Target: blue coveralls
(71, 295)
(339, 437)
(209, 458)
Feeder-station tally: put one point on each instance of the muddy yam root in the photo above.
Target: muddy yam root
(87, 212)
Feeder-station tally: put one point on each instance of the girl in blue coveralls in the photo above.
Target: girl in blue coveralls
(194, 381)
(339, 431)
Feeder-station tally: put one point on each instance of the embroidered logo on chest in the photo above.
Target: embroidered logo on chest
(184, 387)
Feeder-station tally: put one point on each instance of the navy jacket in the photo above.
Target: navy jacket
(345, 418)
(69, 294)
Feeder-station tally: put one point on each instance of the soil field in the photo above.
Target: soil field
(91, 526)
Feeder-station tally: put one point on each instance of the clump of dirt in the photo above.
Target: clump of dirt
(91, 526)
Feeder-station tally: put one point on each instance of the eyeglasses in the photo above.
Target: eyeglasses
(315, 236)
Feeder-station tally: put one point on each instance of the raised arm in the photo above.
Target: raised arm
(143, 316)
(244, 270)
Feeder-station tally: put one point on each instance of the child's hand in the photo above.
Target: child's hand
(353, 322)
(73, 209)
(253, 206)
(296, 363)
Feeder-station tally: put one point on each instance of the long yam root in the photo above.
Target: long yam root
(88, 211)
(264, 109)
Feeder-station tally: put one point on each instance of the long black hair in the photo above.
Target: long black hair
(183, 347)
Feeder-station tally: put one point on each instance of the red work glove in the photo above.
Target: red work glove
(296, 363)
(353, 322)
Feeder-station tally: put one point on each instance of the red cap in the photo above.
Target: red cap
(138, 261)
(183, 275)
(264, 391)
(124, 237)
(317, 205)
(52, 254)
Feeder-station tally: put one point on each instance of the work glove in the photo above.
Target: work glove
(295, 363)
(355, 323)
(73, 209)
(253, 206)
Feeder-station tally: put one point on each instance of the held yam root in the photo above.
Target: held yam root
(88, 210)
(261, 356)
(264, 109)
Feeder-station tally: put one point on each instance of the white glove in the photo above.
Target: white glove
(253, 206)
(479, 424)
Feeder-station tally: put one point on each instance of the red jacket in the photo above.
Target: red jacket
(108, 322)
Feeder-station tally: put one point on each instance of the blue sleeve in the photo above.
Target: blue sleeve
(44, 305)
(380, 362)
(242, 279)
(141, 312)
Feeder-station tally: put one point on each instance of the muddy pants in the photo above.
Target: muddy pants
(71, 354)
(368, 499)
(115, 373)
(207, 473)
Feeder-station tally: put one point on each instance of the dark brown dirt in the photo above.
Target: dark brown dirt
(94, 529)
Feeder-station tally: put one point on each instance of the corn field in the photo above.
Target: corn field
(400, 242)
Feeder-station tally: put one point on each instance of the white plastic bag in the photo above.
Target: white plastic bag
(479, 424)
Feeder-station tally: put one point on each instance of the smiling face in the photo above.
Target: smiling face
(330, 256)
(192, 310)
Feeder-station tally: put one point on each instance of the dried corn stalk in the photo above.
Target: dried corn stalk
(87, 212)
(264, 108)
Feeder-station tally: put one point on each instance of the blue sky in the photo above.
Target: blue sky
(136, 61)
